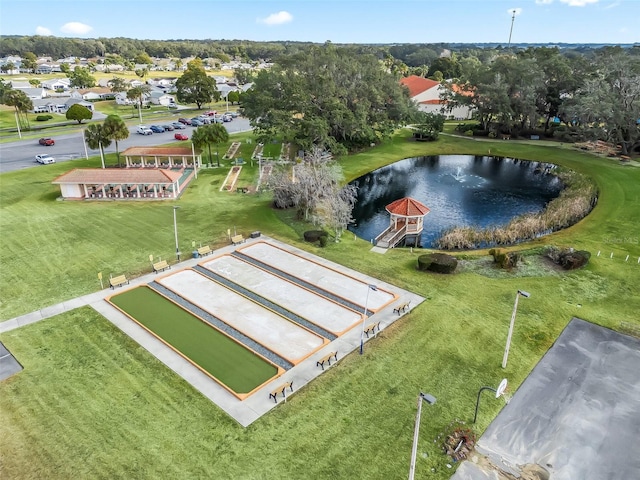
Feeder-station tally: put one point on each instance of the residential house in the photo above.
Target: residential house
(34, 93)
(94, 94)
(159, 97)
(74, 101)
(57, 84)
(426, 93)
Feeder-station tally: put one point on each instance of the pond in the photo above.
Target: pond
(460, 190)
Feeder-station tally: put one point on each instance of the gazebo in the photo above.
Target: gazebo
(406, 222)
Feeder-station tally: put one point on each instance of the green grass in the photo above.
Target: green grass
(232, 364)
(91, 403)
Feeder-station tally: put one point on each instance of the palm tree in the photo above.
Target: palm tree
(210, 134)
(115, 129)
(96, 138)
(20, 101)
(138, 94)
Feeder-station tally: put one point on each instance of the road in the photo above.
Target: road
(21, 154)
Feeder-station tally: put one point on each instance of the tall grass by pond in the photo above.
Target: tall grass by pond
(574, 203)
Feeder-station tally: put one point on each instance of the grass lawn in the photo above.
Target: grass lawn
(231, 363)
(92, 403)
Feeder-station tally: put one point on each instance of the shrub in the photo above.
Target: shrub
(313, 236)
(43, 118)
(469, 133)
(505, 260)
(481, 133)
(437, 262)
(568, 258)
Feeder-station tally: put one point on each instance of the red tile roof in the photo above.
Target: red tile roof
(407, 207)
(432, 102)
(417, 85)
(101, 176)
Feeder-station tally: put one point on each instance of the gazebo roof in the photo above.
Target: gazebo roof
(118, 176)
(407, 207)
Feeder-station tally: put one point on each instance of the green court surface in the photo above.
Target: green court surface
(232, 364)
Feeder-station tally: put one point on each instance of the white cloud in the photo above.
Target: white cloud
(76, 28)
(516, 11)
(276, 18)
(578, 3)
(42, 31)
(612, 5)
(544, 2)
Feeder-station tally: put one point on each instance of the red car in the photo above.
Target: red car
(47, 142)
(180, 136)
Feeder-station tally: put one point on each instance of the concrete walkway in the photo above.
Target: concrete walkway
(253, 407)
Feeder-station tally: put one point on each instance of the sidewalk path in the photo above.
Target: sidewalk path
(257, 404)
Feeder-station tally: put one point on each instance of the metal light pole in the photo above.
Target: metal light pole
(499, 391)
(430, 399)
(513, 320)
(513, 18)
(364, 319)
(175, 230)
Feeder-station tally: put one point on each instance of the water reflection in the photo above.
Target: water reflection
(460, 190)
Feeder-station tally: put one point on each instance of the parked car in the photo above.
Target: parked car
(144, 130)
(45, 159)
(178, 126)
(168, 127)
(172, 105)
(180, 136)
(234, 114)
(227, 117)
(184, 121)
(156, 128)
(47, 141)
(211, 113)
(196, 122)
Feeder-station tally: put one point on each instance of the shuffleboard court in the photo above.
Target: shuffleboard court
(230, 363)
(333, 281)
(318, 310)
(273, 331)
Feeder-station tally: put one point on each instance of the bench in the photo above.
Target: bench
(118, 281)
(206, 250)
(327, 358)
(401, 308)
(236, 239)
(161, 266)
(281, 390)
(372, 328)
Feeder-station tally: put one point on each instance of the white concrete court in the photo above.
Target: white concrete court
(324, 275)
(325, 313)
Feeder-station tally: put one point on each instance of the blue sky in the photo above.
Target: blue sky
(340, 21)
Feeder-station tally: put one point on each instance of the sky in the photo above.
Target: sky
(338, 21)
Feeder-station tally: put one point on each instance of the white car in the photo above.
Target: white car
(144, 130)
(45, 159)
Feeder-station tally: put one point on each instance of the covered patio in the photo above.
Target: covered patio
(156, 183)
(162, 157)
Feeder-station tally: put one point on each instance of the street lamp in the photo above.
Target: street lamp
(430, 399)
(364, 319)
(513, 320)
(499, 391)
(175, 230)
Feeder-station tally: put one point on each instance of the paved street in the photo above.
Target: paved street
(21, 154)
